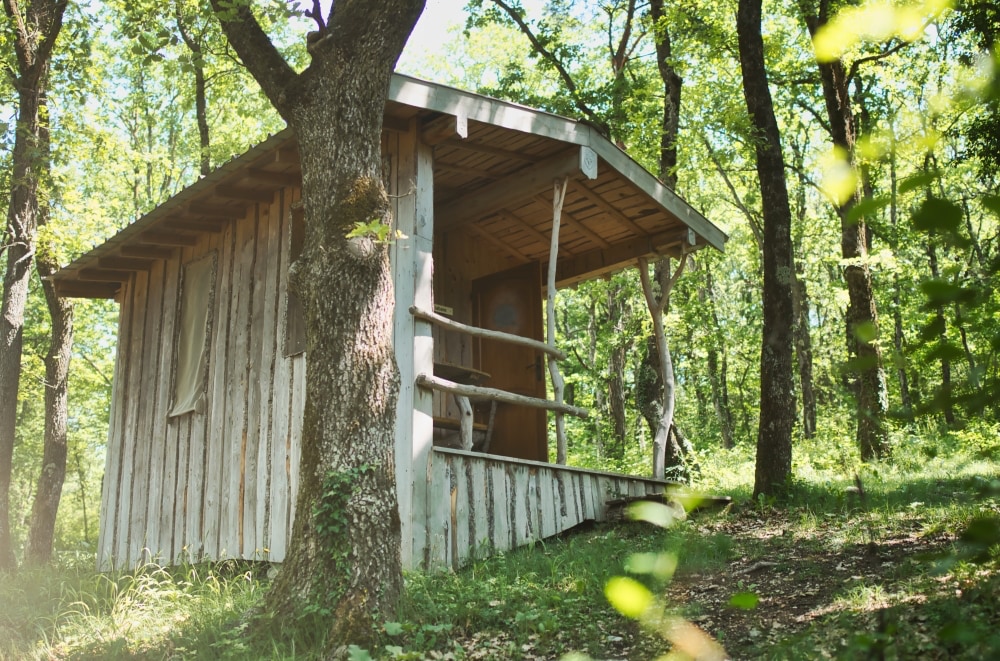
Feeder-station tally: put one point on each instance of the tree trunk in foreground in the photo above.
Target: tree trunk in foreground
(34, 30)
(343, 561)
(777, 396)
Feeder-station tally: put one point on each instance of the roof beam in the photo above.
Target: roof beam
(489, 149)
(103, 275)
(575, 162)
(124, 263)
(146, 251)
(446, 127)
(244, 194)
(78, 289)
(606, 207)
(588, 265)
(168, 239)
(576, 224)
(527, 227)
(510, 250)
(275, 178)
(395, 124)
(220, 211)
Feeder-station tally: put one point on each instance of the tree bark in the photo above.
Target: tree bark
(803, 353)
(718, 371)
(50, 483)
(200, 91)
(343, 560)
(862, 313)
(777, 397)
(35, 29)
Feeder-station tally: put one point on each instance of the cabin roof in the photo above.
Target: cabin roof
(494, 163)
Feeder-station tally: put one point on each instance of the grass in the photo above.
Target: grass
(837, 573)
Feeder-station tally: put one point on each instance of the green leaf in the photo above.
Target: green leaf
(866, 332)
(393, 628)
(660, 565)
(744, 600)
(656, 513)
(918, 181)
(937, 215)
(628, 596)
(355, 653)
(867, 207)
(992, 204)
(939, 292)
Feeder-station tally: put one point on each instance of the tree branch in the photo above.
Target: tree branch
(256, 51)
(551, 58)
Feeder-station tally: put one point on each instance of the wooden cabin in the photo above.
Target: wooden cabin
(208, 395)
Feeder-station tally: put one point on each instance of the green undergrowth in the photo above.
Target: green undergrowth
(856, 561)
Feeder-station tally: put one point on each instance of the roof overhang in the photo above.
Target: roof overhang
(615, 211)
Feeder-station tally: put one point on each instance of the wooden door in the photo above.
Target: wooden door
(511, 302)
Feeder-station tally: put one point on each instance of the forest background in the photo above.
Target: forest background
(127, 130)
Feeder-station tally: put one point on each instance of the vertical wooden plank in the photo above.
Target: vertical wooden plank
(478, 510)
(522, 504)
(278, 523)
(414, 343)
(462, 472)
(439, 520)
(161, 368)
(218, 385)
(113, 466)
(126, 544)
(295, 449)
(252, 501)
(146, 486)
(180, 505)
(547, 506)
(501, 506)
(271, 349)
(234, 493)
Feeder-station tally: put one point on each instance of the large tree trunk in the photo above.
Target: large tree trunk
(344, 556)
(34, 29)
(862, 314)
(777, 397)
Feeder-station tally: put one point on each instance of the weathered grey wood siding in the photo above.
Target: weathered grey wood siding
(480, 505)
(218, 482)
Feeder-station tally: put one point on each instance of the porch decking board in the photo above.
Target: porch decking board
(499, 502)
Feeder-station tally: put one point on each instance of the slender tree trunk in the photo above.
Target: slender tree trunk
(53, 475)
(656, 400)
(344, 553)
(718, 370)
(803, 352)
(41, 532)
(942, 324)
(862, 313)
(34, 30)
(777, 396)
(200, 93)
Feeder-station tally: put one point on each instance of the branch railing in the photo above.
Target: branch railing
(463, 393)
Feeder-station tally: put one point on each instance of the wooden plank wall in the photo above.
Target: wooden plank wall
(217, 483)
(481, 505)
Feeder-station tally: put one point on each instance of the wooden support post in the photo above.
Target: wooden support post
(558, 195)
(465, 422)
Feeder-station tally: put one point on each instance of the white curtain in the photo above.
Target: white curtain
(192, 335)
